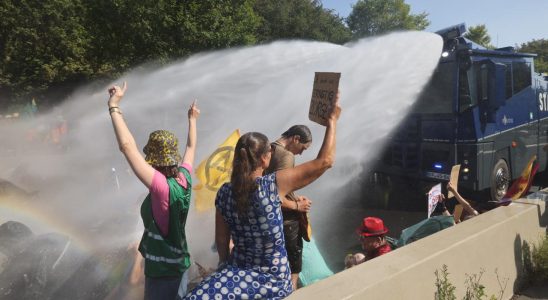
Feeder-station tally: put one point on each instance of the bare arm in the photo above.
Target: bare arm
(190, 151)
(469, 209)
(222, 237)
(125, 139)
(292, 179)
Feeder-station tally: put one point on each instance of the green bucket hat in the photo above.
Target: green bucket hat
(162, 149)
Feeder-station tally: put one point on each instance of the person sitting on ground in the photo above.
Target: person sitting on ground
(468, 210)
(248, 210)
(164, 211)
(372, 237)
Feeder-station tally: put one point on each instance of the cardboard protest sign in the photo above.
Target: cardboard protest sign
(432, 198)
(454, 180)
(457, 212)
(324, 94)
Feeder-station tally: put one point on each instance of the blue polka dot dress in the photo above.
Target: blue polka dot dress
(258, 266)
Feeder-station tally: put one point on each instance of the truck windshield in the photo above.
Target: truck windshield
(437, 96)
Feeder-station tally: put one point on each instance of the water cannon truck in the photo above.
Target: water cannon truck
(485, 109)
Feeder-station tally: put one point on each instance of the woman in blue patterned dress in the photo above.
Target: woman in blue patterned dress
(248, 211)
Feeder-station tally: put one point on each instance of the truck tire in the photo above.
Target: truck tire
(500, 180)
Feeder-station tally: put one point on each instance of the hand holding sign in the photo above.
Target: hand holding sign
(434, 196)
(325, 96)
(453, 181)
(336, 111)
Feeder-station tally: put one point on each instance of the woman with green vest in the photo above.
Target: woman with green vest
(164, 210)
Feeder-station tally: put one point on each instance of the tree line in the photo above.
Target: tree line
(48, 47)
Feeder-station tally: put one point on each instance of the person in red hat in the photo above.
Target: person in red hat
(371, 233)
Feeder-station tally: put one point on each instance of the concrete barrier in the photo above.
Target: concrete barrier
(491, 242)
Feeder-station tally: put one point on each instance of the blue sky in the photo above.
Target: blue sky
(508, 22)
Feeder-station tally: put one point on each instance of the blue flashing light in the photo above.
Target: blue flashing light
(438, 166)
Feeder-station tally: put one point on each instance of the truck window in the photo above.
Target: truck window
(508, 80)
(483, 81)
(521, 73)
(468, 89)
(437, 96)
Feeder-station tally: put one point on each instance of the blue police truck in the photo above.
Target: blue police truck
(484, 109)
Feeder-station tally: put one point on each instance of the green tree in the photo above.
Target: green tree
(479, 35)
(127, 33)
(374, 17)
(48, 47)
(43, 44)
(540, 48)
(299, 19)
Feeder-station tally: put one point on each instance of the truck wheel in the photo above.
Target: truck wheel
(500, 179)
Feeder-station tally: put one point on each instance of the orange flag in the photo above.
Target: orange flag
(520, 187)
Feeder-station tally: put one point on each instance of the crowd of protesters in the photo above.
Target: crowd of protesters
(259, 219)
(249, 225)
(260, 223)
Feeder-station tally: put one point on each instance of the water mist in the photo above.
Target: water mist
(89, 188)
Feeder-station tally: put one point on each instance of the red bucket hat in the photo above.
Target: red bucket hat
(372, 226)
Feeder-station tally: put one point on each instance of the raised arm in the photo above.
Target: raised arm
(190, 151)
(465, 205)
(125, 139)
(292, 179)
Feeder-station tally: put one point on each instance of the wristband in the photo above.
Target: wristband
(114, 109)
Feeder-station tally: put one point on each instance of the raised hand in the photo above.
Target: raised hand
(193, 111)
(440, 198)
(116, 93)
(450, 188)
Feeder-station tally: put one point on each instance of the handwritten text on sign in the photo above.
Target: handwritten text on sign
(324, 93)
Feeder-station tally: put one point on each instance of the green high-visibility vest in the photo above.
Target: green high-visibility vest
(167, 256)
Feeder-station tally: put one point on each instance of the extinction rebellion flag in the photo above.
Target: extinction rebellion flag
(214, 171)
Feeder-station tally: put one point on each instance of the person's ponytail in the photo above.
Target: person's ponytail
(247, 155)
(241, 181)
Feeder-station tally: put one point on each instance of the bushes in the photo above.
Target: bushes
(535, 267)
(535, 262)
(445, 290)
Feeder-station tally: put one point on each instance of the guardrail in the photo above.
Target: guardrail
(491, 242)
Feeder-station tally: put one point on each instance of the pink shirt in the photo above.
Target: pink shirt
(159, 193)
